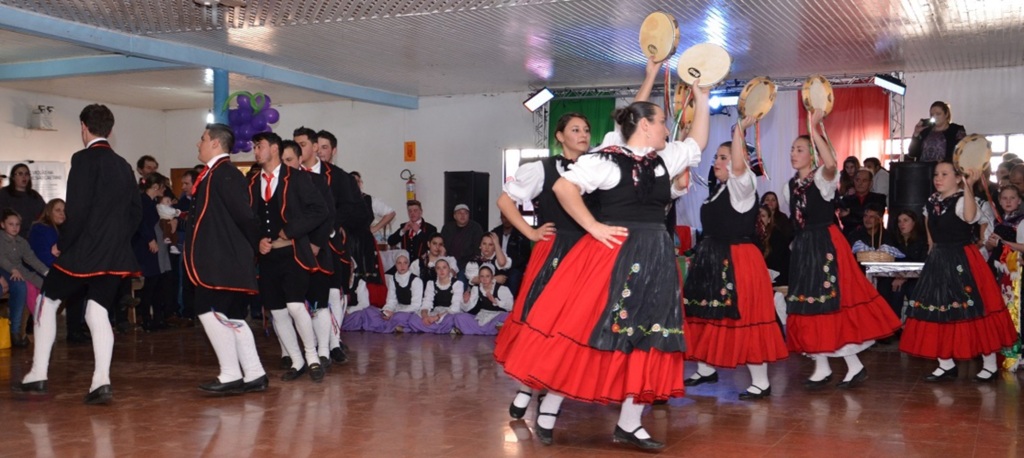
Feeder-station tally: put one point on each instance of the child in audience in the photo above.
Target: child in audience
(405, 294)
(15, 255)
(486, 305)
(440, 298)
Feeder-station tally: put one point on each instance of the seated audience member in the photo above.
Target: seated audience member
(382, 212)
(1003, 173)
(20, 267)
(42, 237)
(462, 236)
(441, 295)
(774, 244)
(851, 207)
(880, 179)
(1005, 236)
(850, 167)
(490, 254)
(405, 297)
(412, 236)
(910, 238)
(516, 246)
(779, 218)
(871, 232)
(935, 142)
(1017, 177)
(486, 306)
(424, 266)
(357, 308)
(19, 196)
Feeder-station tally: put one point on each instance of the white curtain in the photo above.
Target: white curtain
(778, 130)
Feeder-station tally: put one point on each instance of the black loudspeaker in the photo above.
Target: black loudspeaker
(468, 188)
(910, 184)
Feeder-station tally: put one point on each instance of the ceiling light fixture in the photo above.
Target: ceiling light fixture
(209, 117)
(890, 83)
(539, 99)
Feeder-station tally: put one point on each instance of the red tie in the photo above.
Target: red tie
(268, 192)
(202, 174)
(307, 169)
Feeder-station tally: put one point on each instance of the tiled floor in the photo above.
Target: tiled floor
(419, 395)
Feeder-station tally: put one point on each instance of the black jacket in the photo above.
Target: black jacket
(103, 210)
(303, 211)
(954, 133)
(221, 234)
(416, 245)
(322, 235)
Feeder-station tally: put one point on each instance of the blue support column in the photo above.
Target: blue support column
(220, 95)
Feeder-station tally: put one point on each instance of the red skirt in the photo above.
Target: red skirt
(551, 350)
(965, 339)
(513, 324)
(755, 338)
(863, 314)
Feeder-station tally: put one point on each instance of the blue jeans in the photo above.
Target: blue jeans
(16, 301)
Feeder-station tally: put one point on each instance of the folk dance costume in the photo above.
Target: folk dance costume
(440, 302)
(218, 254)
(609, 324)
(957, 311)
(405, 296)
(473, 266)
(424, 267)
(833, 310)
(103, 208)
(486, 310)
(353, 246)
(286, 200)
(533, 183)
(730, 309)
(356, 308)
(323, 277)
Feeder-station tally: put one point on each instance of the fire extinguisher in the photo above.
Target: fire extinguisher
(410, 184)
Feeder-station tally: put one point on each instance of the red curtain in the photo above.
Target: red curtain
(858, 124)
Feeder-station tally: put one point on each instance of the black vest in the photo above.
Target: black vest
(546, 204)
(819, 212)
(622, 203)
(483, 303)
(404, 293)
(269, 215)
(947, 227)
(427, 273)
(722, 222)
(443, 297)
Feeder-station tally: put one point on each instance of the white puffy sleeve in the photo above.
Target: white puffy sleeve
(428, 297)
(825, 186)
(392, 302)
(380, 208)
(742, 190)
(504, 297)
(983, 215)
(592, 172)
(457, 292)
(527, 183)
(679, 156)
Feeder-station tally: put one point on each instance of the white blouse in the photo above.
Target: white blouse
(414, 267)
(362, 298)
(529, 181)
(503, 297)
(398, 279)
(592, 172)
(742, 190)
(826, 187)
(473, 268)
(428, 298)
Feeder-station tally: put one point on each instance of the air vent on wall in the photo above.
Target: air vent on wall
(42, 118)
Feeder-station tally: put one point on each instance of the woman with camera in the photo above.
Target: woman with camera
(936, 137)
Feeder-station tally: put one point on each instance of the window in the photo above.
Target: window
(512, 159)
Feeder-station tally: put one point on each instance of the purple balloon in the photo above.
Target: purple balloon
(264, 98)
(239, 145)
(258, 123)
(272, 115)
(247, 132)
(268, 128)
(244, 115)
(248, 147)
(233, 117)
(243, 101)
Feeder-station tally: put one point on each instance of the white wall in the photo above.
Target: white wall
(985, 101)
(459, 133)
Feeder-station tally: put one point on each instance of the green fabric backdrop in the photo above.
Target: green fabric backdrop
(598, 111)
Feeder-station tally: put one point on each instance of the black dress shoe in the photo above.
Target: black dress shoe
(78, 337)
(20, 343)
(293, 374)
(259, 384)
(991, 376)
(546, 436)
(701, 379)
(38, 387)
(750, 395)
(325, 362)
(518, 412)
(286, 362)
(622, 437)
(215, 386)
(316, 372)
(947, 374)
(856, 380)
(101, 395)
(338, 355)
(817, 384)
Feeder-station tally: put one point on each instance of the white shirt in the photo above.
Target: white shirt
(392, 304)
(273, 180)
(826, 187)
(473, 267)
(380, 209)
(315, 168)
(503, 296)
(742, 190)
(414, 267)
(100, 139)
(880, 183)
(428, 297)
(529, 181)
(362, 300)
(592, 172)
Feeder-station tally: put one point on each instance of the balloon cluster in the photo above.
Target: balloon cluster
(253, 115)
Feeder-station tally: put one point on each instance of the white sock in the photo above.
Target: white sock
(853, 366)
(223, 343)
(552, 404)
(821, 368)
(286, 334)
(284, 350)
(335, 305)
(45, 334)
(703, 370)
(322, 329)
(102, 342)
(245, 348)
(523, 397)
(304, 327)
(944, 365)
(988, 363)
(758, 378)
(629, 418)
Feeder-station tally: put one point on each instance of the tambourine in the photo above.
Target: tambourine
(973, 152)
(817, 94)
(659, 36)
(757, 98)
(706, 61)
(677, 104)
